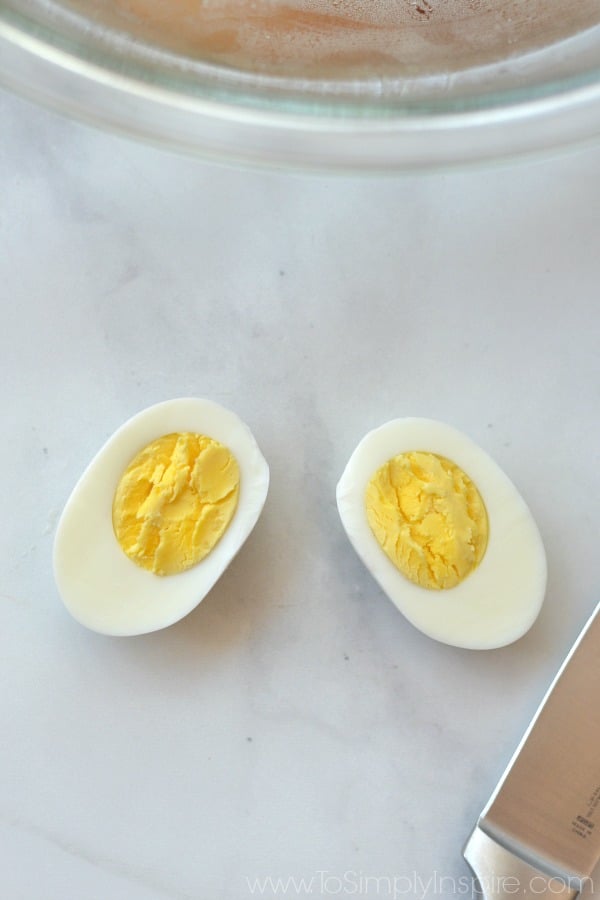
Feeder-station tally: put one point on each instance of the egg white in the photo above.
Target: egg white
(99, 585)
(500, 600)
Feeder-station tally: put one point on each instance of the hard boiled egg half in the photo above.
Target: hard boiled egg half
(444, 532)
(157, 516)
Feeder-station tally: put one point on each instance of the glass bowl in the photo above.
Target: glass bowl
(349, 85)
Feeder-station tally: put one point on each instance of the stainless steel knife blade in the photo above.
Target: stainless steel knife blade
(541, 827)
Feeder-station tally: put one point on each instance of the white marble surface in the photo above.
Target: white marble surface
(294, 724)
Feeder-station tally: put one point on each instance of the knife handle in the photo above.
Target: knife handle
(501, 875)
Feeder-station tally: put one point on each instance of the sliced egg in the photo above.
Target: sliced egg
(122, 573)
(444, 532)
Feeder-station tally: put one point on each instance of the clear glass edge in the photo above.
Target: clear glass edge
(569, 110)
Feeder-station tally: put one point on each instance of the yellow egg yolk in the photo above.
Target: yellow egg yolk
(428, 517)
(174, 502)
